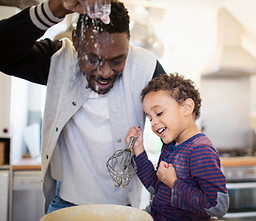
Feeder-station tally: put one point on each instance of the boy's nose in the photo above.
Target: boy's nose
(153, 121)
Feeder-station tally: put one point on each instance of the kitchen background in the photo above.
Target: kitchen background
(213, 42)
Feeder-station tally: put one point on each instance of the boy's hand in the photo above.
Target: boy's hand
(166, 173)
(138, 147)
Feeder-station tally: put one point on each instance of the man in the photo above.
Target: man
(93, 97)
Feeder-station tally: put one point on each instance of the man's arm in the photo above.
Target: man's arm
(20, 32)
(23, 56)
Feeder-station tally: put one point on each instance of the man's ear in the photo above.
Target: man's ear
(75, 39)
(189, 106)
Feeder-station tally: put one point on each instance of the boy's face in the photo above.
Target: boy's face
(166, 115)
(102, 57)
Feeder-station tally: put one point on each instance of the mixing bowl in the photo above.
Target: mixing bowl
(98, 212)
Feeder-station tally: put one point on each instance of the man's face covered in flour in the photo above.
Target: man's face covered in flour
(103, 48)
(102, 57)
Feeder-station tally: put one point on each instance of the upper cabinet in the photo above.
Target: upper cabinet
(5, 104)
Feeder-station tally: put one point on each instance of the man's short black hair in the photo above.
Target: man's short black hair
(119, 21)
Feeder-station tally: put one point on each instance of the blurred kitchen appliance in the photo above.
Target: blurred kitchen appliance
(4, 187)
(241, 176)
(27, 202)
(4, 178)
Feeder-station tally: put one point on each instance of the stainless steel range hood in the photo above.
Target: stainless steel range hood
(230, 58)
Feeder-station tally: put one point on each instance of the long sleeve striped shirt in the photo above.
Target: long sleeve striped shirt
(200, 189)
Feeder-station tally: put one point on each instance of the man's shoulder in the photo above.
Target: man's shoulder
(141, 58)
(140, 51)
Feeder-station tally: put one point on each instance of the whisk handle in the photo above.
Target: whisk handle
(131, 142)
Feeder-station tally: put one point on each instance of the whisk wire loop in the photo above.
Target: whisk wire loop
(122, 166)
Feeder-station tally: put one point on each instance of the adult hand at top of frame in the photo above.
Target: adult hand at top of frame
(166, 173)
(94, 8)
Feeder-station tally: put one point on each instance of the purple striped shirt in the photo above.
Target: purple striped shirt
(200, 179)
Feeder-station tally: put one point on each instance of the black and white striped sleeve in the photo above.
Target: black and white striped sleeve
(42, 16)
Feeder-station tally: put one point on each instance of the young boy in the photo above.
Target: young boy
(188, 183)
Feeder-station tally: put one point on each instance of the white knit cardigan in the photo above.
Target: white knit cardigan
(67, 92)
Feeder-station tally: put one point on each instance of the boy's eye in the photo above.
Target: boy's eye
(159, 114)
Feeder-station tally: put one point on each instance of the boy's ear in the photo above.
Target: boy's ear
(189, 106)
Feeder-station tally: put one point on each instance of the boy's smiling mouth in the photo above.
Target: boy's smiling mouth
(161, 130)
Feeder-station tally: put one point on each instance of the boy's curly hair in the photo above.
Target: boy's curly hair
(179, 88)
(119, 21)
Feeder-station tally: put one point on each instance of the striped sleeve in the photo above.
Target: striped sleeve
(42, 16)
(146, 172)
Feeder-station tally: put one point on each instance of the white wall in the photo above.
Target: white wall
(189, 36)
(226, 111)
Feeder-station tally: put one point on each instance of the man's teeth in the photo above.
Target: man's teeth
(103, 82)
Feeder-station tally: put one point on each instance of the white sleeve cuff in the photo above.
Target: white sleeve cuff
(42, 16)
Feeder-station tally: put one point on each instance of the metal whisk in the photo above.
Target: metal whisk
(121, 165)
